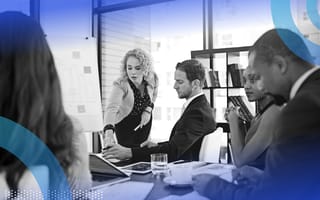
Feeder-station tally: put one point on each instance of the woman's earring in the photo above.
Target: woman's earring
(145, 75)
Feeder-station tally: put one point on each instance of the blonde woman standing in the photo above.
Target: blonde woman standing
(129, 111)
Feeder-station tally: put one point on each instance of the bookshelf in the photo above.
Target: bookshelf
(226, 66)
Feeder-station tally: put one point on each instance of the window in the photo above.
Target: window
(17, 5)
(121, 31)
(168, 35)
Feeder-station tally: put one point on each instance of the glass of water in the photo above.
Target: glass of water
(159, 164)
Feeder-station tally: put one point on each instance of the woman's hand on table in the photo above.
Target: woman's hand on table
(148, 144)
(116, 151)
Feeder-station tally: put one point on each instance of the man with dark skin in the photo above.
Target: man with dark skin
(293, 159)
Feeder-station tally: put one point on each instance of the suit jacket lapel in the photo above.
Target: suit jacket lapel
(312, 79)
(194, 101)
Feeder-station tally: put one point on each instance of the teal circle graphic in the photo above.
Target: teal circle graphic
(24, 145)
(313, 13)
(282, 18)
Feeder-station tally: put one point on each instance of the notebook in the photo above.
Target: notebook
(104, 173)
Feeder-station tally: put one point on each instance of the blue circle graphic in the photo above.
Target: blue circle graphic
(313, 13)
(282, 18)
(30, 150)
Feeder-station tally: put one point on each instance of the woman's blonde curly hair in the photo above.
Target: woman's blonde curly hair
(145, 62)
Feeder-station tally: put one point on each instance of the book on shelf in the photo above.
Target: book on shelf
(244, 110)
(236, 75)
(212, 79)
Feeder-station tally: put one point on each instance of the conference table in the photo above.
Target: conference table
(160, 189)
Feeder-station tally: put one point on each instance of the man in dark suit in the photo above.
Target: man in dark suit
(187, 134)
(293, 160)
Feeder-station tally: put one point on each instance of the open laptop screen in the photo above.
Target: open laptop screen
(100, 165)
(105, 173)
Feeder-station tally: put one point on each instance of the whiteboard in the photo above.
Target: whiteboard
(76, 63)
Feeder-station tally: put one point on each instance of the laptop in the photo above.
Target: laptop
(104, 173)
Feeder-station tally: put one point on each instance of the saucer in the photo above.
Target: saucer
(170, 181)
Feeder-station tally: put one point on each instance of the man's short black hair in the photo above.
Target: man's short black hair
(193, 69)
(271, 44)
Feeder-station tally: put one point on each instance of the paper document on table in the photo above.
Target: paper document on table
(224, 171)
(127, 190)
(190, 196)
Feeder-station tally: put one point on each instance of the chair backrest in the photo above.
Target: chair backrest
(210, 147)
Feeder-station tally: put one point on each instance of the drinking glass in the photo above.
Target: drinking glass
(159, 164)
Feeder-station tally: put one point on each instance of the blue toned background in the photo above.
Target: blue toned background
(235, 23)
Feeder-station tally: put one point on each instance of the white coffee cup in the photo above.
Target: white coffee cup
(181, 173)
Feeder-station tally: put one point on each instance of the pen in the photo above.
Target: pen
(179, 161)
(136, 128)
